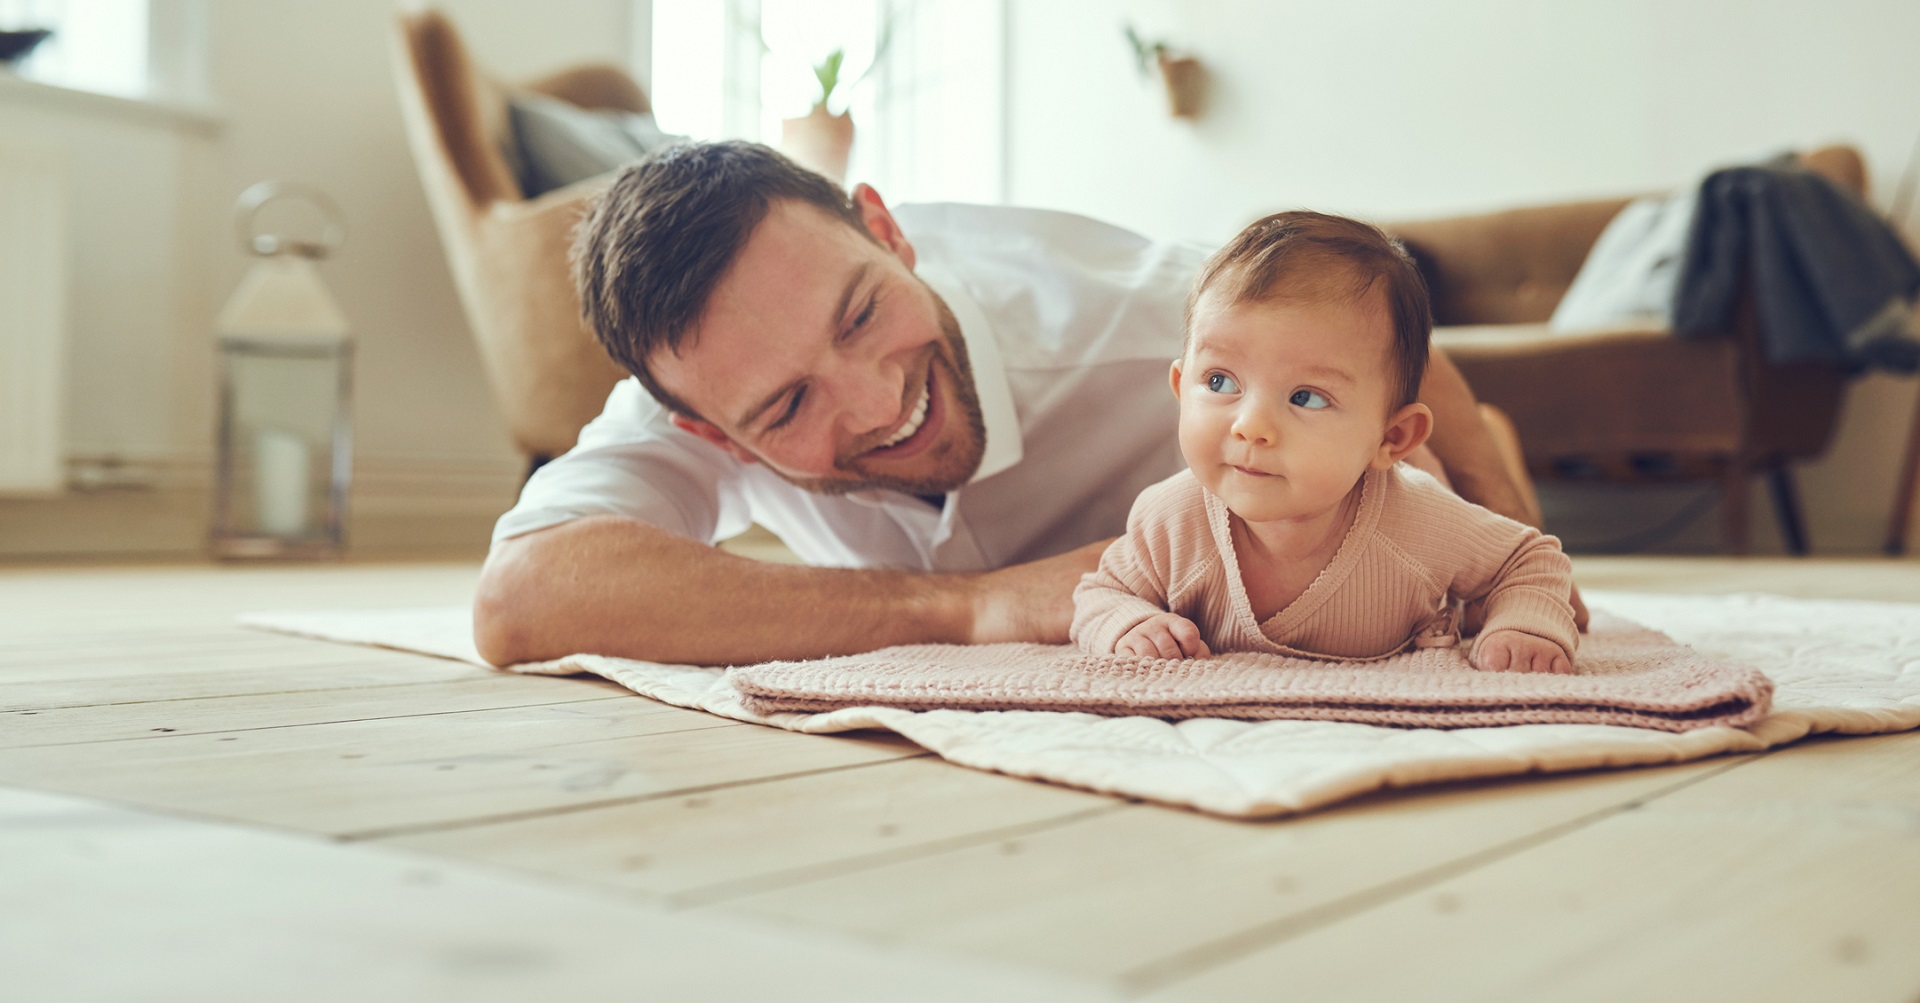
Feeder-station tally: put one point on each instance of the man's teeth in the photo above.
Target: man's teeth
(913, 421)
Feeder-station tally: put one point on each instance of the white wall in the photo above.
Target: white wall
(307, 91)
(1394, 109)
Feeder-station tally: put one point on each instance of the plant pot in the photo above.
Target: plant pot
(1186, 83)
(819, 140)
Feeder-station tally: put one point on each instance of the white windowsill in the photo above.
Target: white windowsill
(195, 118)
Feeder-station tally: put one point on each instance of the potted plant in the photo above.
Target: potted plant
(1183, 77)
(821, 139)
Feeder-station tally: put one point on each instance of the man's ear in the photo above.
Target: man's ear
(1406, 430)
(711, 433)
(881, 223)
(1173, 377)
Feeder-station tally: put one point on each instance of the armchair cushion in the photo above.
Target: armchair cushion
(557, 143)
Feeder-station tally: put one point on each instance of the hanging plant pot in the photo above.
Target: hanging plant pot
(1186, 84)
(819, 140)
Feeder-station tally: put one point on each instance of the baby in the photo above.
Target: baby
(1296, 529)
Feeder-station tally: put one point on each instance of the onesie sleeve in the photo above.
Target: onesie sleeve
(1132, 581)
(1526, 580)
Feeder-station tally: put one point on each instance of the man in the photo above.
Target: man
(946, 412)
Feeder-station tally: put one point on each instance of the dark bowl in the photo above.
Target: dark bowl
(15, 45)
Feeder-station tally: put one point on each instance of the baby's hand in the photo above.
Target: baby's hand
(1518, 651)
(1163, 635)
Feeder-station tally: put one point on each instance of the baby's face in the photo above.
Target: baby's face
(1283, 405)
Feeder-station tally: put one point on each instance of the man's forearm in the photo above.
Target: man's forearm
(1464, 445)
(613, 586)
(617, 587)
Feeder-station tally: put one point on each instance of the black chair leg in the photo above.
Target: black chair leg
(1786, 506)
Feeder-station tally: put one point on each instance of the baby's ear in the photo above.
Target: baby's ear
(1406, 430)
(1173, 377)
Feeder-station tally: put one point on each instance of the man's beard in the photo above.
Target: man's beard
(962, 458)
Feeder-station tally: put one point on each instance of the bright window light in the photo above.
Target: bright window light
(689, 67)
(97, 45)
(799, 35)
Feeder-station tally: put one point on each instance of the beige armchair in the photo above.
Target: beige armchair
(508, 254)
(1629, 406)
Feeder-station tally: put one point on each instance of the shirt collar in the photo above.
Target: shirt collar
(1003, 447)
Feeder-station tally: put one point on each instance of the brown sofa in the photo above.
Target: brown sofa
(1629, 406)
(508, 254)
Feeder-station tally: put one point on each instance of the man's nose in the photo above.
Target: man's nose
(869, 391)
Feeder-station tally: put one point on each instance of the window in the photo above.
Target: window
(132, 48)
(924, 81)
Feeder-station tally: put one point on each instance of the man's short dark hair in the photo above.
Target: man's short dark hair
(1314, 257)
(650, 251)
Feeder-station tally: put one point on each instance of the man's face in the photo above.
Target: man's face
(822, 355)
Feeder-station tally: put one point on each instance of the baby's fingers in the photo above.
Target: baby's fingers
(1149, 640)
(1187, 636)
(1494, 656)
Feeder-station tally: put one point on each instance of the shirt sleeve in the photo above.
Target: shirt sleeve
(632, 462)
(1132, 581)
(1526, 580)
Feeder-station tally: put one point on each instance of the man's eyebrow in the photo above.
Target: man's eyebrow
(839, 313)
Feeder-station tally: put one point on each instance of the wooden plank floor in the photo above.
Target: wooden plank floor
(1789, 875)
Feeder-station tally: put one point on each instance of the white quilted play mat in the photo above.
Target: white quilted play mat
(1838, 666)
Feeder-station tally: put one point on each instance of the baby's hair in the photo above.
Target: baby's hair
(1312, 257)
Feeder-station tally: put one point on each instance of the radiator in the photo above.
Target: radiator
(33, 317)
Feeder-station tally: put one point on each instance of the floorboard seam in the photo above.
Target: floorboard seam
(1182, 965)
(428, 828)
(240, 696)
(716, 893)
(305, 724)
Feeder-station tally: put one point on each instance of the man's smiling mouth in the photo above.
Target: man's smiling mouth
(914, 427)
(915, 419)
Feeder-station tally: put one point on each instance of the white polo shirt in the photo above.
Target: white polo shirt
(1070, 325)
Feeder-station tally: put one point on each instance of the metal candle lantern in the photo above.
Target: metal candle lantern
(285, 450)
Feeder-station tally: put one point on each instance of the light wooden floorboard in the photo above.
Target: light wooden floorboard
(1140, 897)
(228, 714)
(1794, 877)
(99, 903)
(243, 679)
(427, 770)
(1796, 868)
(750, 838)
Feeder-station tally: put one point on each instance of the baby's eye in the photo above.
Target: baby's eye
(1221, 383)
(1307, 399)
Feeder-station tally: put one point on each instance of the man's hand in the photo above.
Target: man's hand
(1518, 651)
(1163, 635)
(1031, 602)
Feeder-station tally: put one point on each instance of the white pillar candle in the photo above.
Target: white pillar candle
(281, 469)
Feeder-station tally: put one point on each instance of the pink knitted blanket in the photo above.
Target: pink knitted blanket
(1625, 674)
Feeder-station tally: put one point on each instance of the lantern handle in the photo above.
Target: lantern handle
(267, 244)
